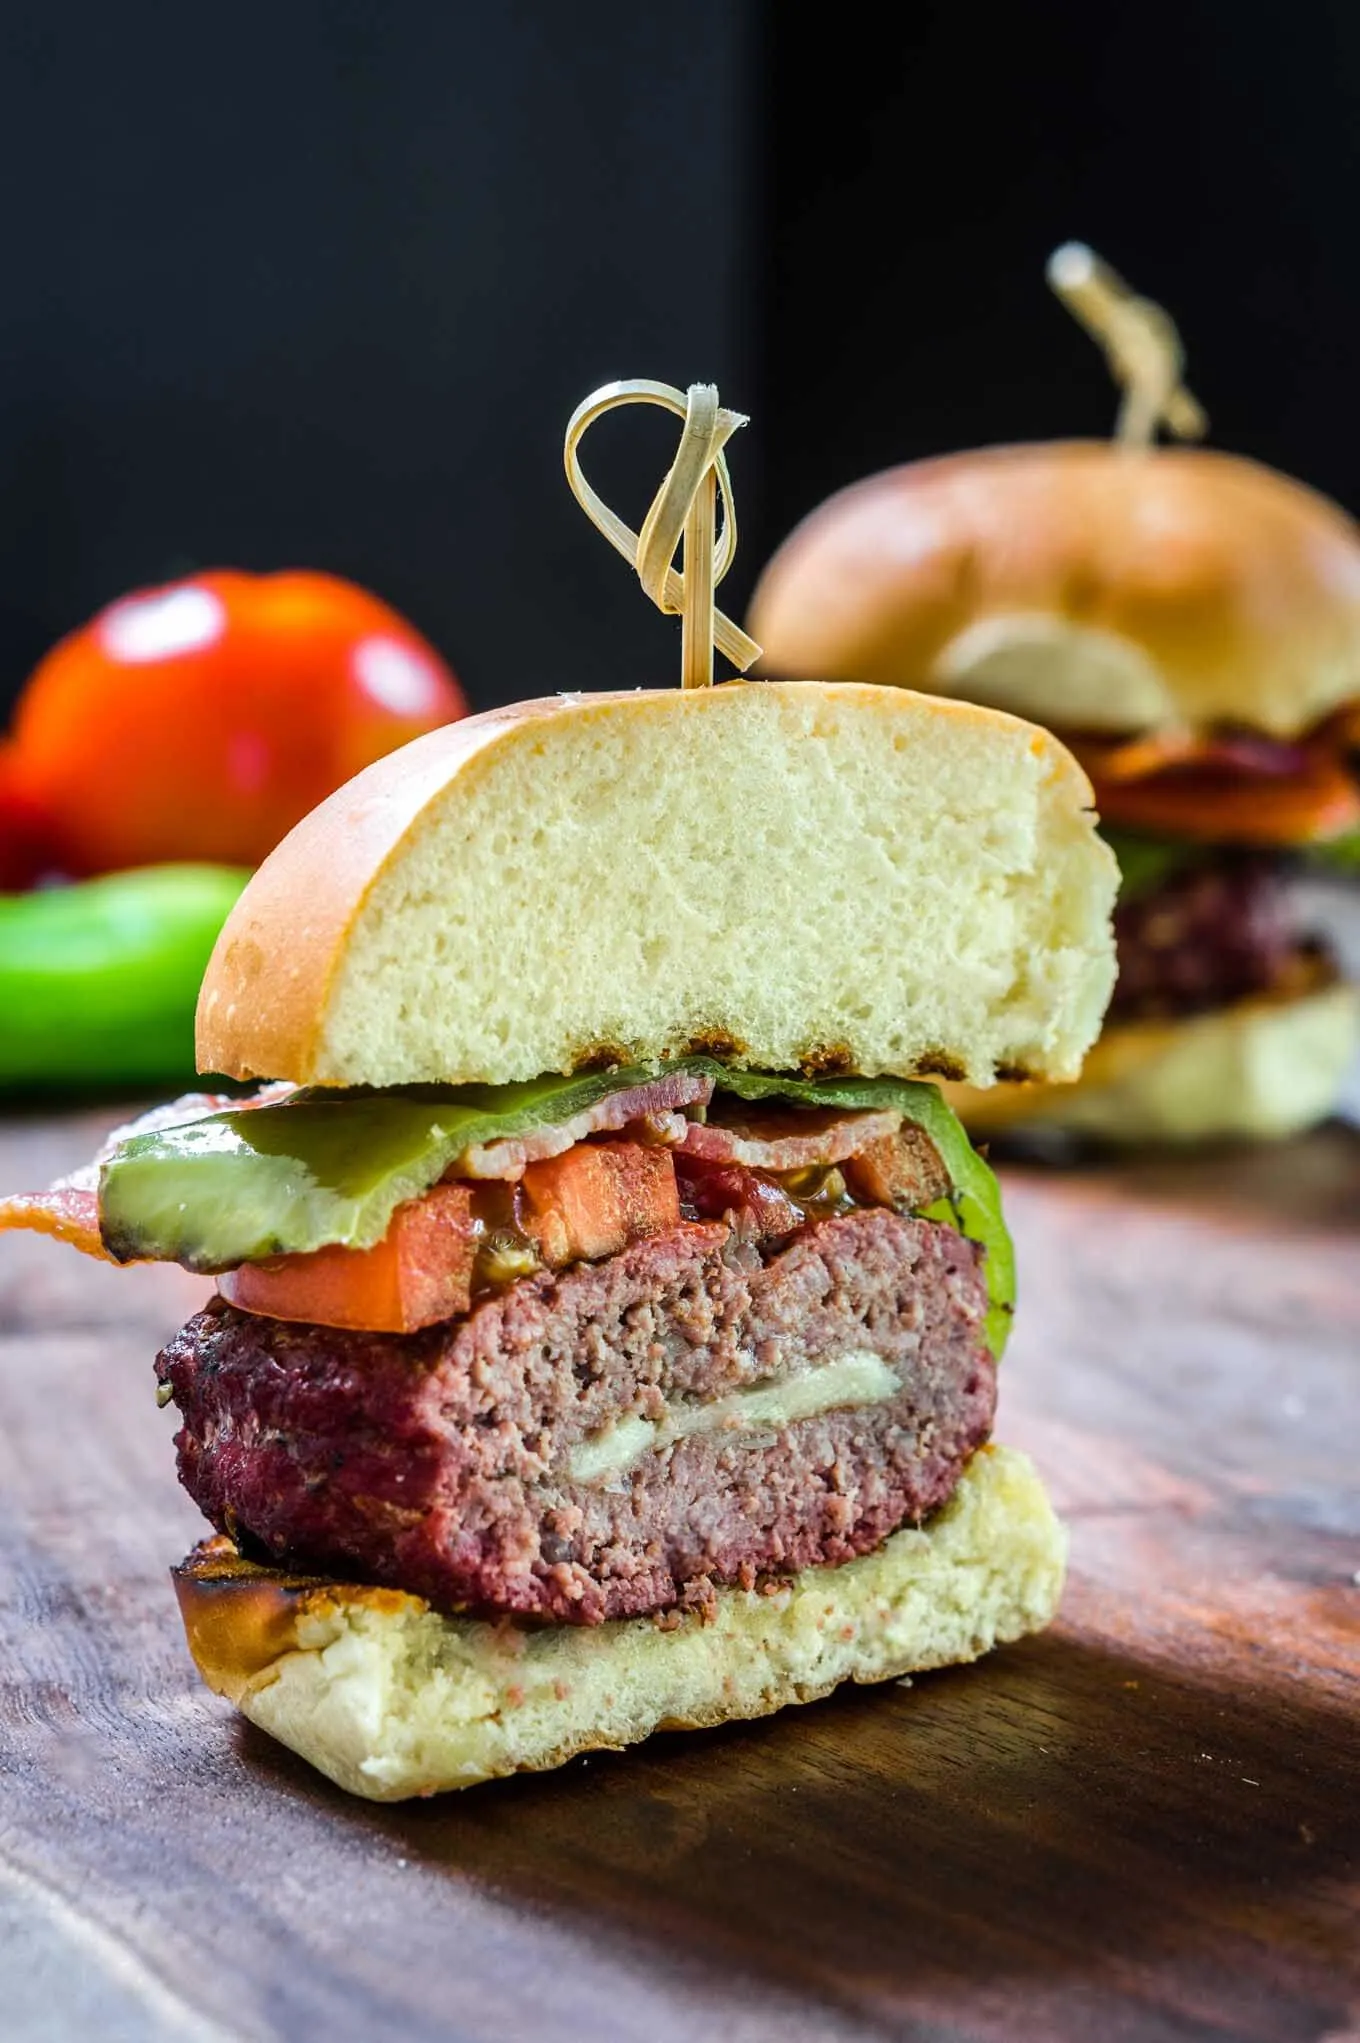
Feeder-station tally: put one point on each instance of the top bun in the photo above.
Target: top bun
(1085, 585)
(789, 876)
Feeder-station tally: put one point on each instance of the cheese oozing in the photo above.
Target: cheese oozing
(859, 1378)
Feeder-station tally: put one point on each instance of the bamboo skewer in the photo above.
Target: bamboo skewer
(1141, 345)
(684, 510)
(696, 623)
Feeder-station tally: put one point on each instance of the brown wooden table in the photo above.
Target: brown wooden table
(1145, 1824)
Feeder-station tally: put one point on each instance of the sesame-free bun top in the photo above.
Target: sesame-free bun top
(790, 876)
(1086, 585)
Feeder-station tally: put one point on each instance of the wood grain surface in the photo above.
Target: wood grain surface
(1145, 1824)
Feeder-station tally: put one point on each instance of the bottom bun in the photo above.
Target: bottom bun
(1261, 1069)
(391, 1699)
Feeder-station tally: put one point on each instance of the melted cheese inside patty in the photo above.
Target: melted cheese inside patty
(859, 1378)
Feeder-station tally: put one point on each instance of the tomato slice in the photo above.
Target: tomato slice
(1207, 807)
(591, 1201)
(421, 1272)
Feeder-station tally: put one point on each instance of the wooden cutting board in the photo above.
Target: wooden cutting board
(1145, 1824)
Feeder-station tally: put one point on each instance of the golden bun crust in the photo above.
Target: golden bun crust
(390, 1699)
(1262, 1069)
(1087, 586)
(264, 992)
(767, 871)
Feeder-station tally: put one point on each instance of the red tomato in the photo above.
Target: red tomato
(420, 1273)
(26, 847)
(592, 1200)
(203, 719)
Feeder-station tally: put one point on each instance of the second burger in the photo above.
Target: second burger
(1189, 623)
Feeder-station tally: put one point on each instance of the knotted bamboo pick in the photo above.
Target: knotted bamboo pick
(683, 509)
(1141, 345)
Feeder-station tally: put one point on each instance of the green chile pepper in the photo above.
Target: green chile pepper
(98, 980)
(315, 1170)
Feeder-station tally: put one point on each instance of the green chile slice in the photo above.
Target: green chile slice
(238, 1186)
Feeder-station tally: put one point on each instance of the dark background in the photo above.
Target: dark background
(1210, 149)
(319, 284)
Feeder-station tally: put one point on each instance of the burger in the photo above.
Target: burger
(1189, 622)
(608, 1305)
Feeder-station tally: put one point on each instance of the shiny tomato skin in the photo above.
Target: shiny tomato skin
(201, 720)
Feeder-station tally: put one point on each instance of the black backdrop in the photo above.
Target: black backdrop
(319, 283)
(1210, 149)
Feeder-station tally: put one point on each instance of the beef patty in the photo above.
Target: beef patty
(1208, 936)
(577, 1448)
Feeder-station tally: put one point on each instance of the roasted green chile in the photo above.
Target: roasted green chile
(98, 980)
(317, 1169)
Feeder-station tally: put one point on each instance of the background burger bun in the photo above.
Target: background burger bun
(1264, 1068)
(1086, 586)
(790, 876)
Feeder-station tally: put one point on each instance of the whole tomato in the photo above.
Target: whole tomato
(26, 847)
(201, 720)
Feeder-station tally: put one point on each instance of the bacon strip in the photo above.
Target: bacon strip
(1234, 752)
(658, 1102)
(1233, 786)
(1209, 808)
(68, 1212)
(788, 1138)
